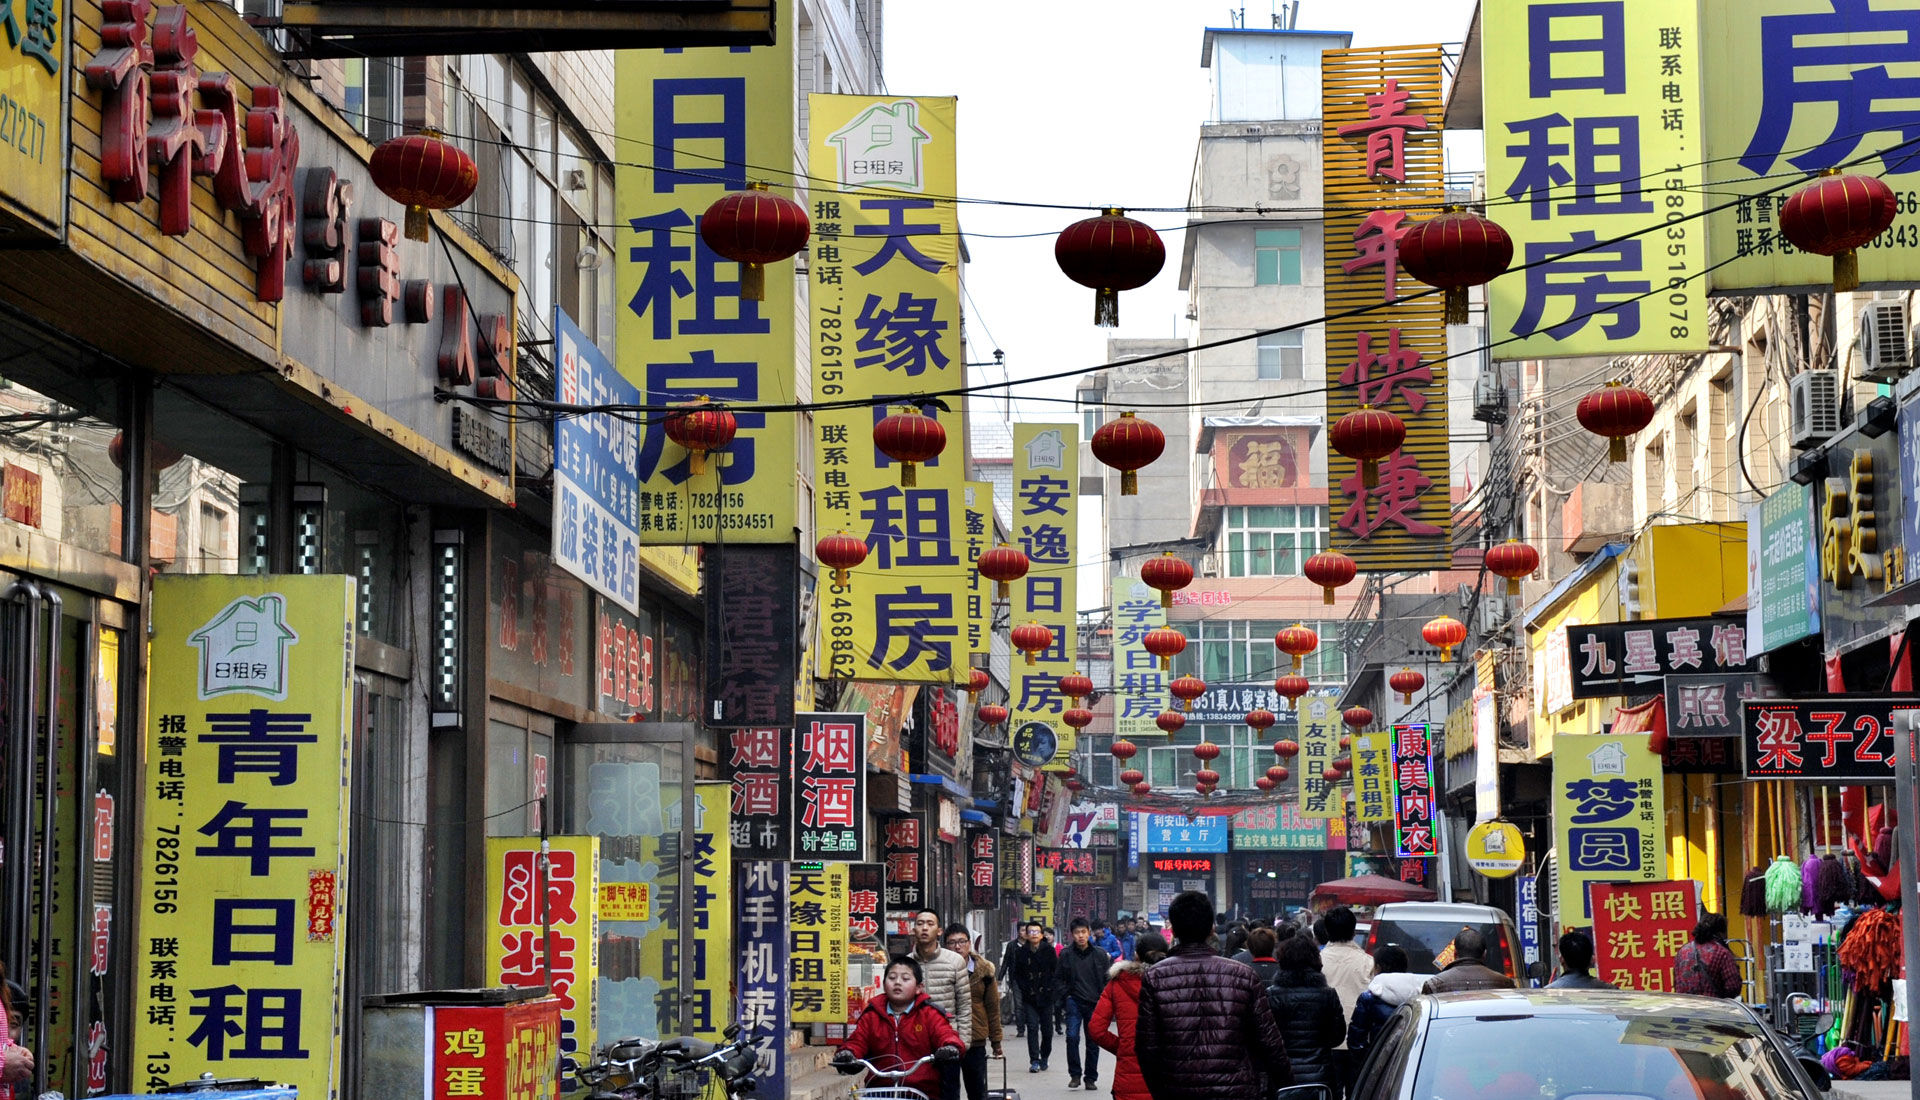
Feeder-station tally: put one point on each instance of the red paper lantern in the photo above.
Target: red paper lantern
(1187, 689)
(1513, 560)
(1296, 641)
(1208, 776)
(1077, 717)
(991, 714)
(841, 552)
(423, 173)
(1110, 253)
(1164, 642)
(1260, 718)
(1170, 721)
(1444, 632)
(1368, 435)
(1075, 785)
(1127, 444)
(1265, 784)
(754, 228)
(1330, 569)
(1131, 776)
(1002, 565)
(1124, 749)
(1074, 686)
(1293, 687)
(1453, 251)
(1343, 764)
(1278, 773)
(1346, 740)
(1357, 717)
(1141, 789)
(1286, 749)
(1406, 682)
(164, 456)
(1167, 573)
(702, 428)
(1031, 639)
(1203, 788)
(910, 437)
(1615, 411)
(1206, 750)
(1330, 773)
(977, 681)
(1835, 215)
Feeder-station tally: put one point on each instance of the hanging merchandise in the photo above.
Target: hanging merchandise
(1871, 949)
(1829, 886)
(1809, 871)
(1783, 885)
(1753, 892)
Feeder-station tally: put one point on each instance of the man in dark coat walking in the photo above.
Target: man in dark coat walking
(1205, 1030)
(1035, 971)
(1469, 969)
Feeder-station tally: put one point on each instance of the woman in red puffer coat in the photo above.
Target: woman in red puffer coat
(1113, 1016)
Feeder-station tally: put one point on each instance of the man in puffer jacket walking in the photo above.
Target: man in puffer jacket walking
(1205, 1030)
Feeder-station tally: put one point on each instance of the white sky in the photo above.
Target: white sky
(1095, 103)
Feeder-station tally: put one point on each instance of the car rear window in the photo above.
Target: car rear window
(1424, 941)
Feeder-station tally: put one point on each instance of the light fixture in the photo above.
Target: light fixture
(1809, 467)
(1878, 418)
(309, 528)
(447, 686)
(366, 547)
(254, 552)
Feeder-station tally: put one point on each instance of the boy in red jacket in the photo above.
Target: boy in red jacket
(901, 1029)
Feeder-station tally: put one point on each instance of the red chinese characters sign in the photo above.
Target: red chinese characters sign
(758, 765)
(983, 868)
(905, 848)
(1638, 928)
(1382, 173)
(508, 1052)
(542, 928)
(1413, 792)
(830, 788)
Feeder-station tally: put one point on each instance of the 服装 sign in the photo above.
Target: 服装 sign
(1827, 739)
(1046, 486)
(1638, 928)
(1709, 705)
(242, 907)
(1631, 658)
(1609, 816)
(1381, 160)
(543, 928)
(1413, 796)
(1592, 124)
(1783, 569)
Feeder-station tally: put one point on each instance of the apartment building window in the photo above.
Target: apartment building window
(1242, 651)
(1272, 540)
(1282, 355)
(1090, 414)
(1276, 257)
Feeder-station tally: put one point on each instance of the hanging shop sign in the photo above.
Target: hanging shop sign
(1181, 865)
(1527, 891)
(1827, 739)
(1783, 569)
(1381, 159)
(904, 846)
(884, 287)
(1801, 88)
(596, 499)
(1593, 131)
(983, 868)
(1486, 752)
(1495, 848)
(830, 786)
(1034, 743)
(752, 636)
(1631, 658)
(1139, 683)
(1067, 862)
(496, 1050)
(242, 927)
(759, 772)
(704, 116)
(711, 913)
(544, 930)
(764, 897)
(1016, 863)
(866, 908)
(1373, 778)
(623, 662)
(1860, 512)
(1319, 736)
(1609, 814)
(538, 618)
(1046, 486)
(1709, 706)
(1702, 755)
(1638, 928)
(1179, 833)
(976, 537)
(33, 67)
(1228, 704)
(1277, 828)
(1040, 905)
(817, 893)
(1413, 798)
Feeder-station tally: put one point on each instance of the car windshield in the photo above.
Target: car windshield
(1424, 941)
(1599, 1057)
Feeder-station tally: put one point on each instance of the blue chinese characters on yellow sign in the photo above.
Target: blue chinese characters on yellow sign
(1609, 814)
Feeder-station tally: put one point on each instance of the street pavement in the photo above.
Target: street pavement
(1051, 1083)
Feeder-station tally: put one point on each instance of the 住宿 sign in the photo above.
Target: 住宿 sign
(1632, 658)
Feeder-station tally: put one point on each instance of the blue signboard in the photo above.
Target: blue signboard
(596, 495)
(1529, 893)
(1176, 833)
(1910, 481)
(763, 968)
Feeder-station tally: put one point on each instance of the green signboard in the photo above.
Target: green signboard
(1783, 570)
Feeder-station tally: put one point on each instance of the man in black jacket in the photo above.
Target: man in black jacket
(1205, 1030)
(1083, 974)
(1034, 971)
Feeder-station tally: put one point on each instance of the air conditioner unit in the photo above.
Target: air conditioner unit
(1814, 400)
(1885, 354)
(1493, 614)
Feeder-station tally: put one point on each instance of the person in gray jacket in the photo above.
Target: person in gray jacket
(945, 980)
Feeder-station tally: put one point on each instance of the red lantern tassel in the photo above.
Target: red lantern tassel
(1846, 271)
(1166, 664)
(1030, 656)
(1617, 449)
(908, 479)
(1106, 307)
(1513, 586)
(1166, 597)
(1369, 473)
(1004, 590)
(696, 462)
(419, 224)
(1326, 596)
(753, 282)
(1456, 308)
(1129, 483)
(840, 578)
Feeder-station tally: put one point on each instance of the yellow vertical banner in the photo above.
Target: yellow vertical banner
(550, 942)
(1319, 720)
(710, 910)
(978, 509)
(1382, 173)
(701, 124)
(1046, 483)
(1801, 86)
(884, 286)
(1373, 778)
(1041, 907)
(817, 927)
(33, 154)
(1609, 815)
(243, 889)
(1139, 684)
(1593, 135)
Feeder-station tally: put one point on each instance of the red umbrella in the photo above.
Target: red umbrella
(1370, 890)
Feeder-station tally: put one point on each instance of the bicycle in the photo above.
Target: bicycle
(677, 1069)
(850, 1064)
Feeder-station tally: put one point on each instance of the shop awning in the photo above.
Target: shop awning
(1370, 890)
